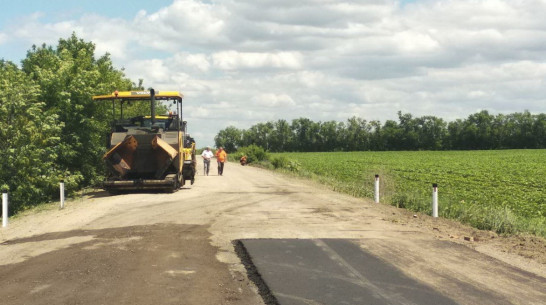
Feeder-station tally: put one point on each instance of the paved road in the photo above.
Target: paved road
(334, 272)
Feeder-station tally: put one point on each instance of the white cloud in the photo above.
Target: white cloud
(156, 70)
(32, 30)
(272, 100)
(411, 42)
(200, 112)
(199, 62)
(184, 21)
(233, 60)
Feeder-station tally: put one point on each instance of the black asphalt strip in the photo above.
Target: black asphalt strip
(253, 274)
(328, 271)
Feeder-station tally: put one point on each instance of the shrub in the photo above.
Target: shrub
(253, 153)
(279, 162)
(283, 162)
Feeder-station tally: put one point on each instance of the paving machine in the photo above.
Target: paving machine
(148, 152)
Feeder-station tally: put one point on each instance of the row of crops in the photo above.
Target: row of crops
(504, 191)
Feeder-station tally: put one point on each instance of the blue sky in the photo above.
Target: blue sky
(60, 10)
(248, 61)
(56, 11)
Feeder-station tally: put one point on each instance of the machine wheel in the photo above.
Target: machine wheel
(181, 181)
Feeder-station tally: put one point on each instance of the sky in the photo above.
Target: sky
(242, 62)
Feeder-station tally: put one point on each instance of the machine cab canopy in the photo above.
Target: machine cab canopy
(140, 95)
(122, 124)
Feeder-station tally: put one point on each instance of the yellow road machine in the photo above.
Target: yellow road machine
(148, 152)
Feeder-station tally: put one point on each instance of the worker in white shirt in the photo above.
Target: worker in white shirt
(207, 155)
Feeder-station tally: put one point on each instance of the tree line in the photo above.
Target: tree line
(479, 131)
(50, 128)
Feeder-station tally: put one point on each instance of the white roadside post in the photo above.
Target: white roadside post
(376, 188)
(434, 200)
(4, 210)
(61, 187)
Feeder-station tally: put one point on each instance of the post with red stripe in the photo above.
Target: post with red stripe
(434, 200)
(376, 188)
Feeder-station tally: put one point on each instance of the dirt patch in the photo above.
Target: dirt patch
(527, 246)
(132, 265)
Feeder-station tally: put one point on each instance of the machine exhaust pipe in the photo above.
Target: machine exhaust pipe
(152, 97)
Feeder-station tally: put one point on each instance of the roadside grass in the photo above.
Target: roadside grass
(501, 191)
(53, 205)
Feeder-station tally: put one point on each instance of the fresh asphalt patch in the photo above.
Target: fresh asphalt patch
(328, 271)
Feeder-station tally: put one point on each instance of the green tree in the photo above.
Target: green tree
(281, 137)
(306, 134)
(408, 134)
(539, 130)
(523, 132)
(377, 141)
(455, 138)
(259, 134)
(357, 134)
(392, 135)
(431, 133)
(330, 136)
(477, 132)
(29, 138)
(68, 76)
(229, 138)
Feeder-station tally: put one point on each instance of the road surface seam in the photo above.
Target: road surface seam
(375, 290)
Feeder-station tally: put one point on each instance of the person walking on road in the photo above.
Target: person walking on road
(221, 157)
(207, 155)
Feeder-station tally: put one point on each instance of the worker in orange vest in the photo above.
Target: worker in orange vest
(221, 157)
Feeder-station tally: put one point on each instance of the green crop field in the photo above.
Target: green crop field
(503, 190)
